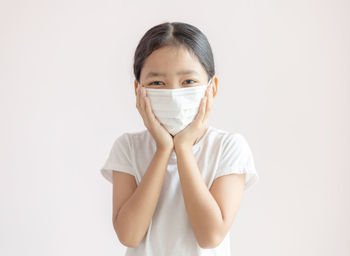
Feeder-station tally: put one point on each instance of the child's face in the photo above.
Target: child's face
(162, 69)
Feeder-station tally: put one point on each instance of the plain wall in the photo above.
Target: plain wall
(67, 92)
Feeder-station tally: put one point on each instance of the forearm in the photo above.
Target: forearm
(135, 215)
(202, 209)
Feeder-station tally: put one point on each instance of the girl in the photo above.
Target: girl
(178, 184)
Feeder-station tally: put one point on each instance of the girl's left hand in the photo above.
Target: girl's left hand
(188, 136)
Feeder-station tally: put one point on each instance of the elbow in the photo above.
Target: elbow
(128, 242)
(125, 238)
(210, 242)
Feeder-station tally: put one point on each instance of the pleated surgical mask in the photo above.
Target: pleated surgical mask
(176, 108)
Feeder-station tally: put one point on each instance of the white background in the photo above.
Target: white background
(67, 92)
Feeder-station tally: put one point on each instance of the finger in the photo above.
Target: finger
(138, 97)
(198, 112)
(208, 106)
(148, 108)
(202, 108)
(140, 104)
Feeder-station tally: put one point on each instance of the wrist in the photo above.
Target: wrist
(182, 147)
(164, 149)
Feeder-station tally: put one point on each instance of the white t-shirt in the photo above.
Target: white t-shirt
(217, 153)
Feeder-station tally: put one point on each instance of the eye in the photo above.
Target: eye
(190, 80)
(154, 82)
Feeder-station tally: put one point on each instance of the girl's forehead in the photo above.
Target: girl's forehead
(171, 55)
(169, 60)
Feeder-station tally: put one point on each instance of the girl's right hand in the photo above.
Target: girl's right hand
(163, 138)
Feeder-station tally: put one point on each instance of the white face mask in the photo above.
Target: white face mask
(176, 108)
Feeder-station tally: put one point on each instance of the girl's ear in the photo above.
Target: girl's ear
(214, 85)
(135, 85)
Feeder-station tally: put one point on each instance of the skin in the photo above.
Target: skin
(210, 211)
(169, 60)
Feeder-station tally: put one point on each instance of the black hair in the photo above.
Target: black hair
(177, 34)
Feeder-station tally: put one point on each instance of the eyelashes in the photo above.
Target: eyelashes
(152, 83)
(191, 80)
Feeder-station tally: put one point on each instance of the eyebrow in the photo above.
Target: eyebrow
(183, 72)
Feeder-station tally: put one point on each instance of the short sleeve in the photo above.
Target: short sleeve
(119, 158)
(237, 157)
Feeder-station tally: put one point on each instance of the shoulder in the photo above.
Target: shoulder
(134, 142)
(231, 145)
(130, 138)
(228, 137)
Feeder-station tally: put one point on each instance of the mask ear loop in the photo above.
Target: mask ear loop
(210, 85)
(210, 82)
